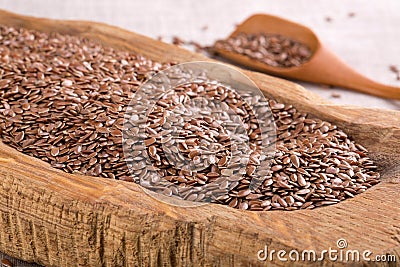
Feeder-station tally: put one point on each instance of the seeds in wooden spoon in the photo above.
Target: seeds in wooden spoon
(272, 49)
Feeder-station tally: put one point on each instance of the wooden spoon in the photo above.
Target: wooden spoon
(323, 67)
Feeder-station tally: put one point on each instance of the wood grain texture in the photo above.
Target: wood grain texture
(58, 219)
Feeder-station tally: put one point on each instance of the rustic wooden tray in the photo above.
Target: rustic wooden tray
(58, 219)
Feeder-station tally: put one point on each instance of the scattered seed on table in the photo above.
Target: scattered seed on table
(351, 14)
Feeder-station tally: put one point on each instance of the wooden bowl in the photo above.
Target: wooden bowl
(59, 219)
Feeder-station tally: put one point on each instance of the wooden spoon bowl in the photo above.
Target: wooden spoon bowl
(60, 219)
(323, 67)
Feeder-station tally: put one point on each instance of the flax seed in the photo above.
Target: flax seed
(75, 121)
(271, 49)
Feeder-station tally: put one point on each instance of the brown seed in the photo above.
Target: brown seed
(361, 175)
(63, 159)
(212, 174)
(227, 172)
(92, 161)
(223, 161)
(97, 170)
(282, 202)
(278, 106)
(149, 141)
(233, 203)
(337, 181)
(54, 151)
(19, 136)
(192, 197)
(6, 263)
(152, 151)
(276, 168)
(102, 130)
(224, 184)
(276, 205)
(331, 170)
(289, 200)
(193, 153)
(243, 193)
(306, 205)
(284, 185)
(67, 83)
(266, 203)
(343, 176)
(303, 191)
(253, 196)
(295, 161)
(299, 198)
(4, 83)
(243, 206)
(250, 170)
(286, 160)
(301, 181)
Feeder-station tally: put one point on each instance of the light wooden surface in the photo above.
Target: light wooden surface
(58, 219)
(368, 42)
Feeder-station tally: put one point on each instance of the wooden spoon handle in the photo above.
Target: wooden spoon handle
(374, 88)
(327, 68)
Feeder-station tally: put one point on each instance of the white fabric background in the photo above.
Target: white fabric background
(369, 41)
